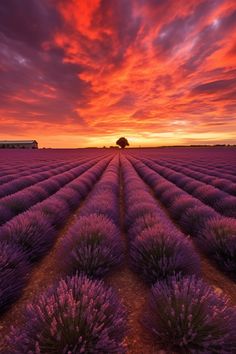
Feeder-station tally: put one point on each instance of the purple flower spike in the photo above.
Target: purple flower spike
(31, 232)
(142, 223)
(5, 214)
(69, 195)
(181, 204)
(13, 271)
(138, 210)
(105, 207)
(227, 206)
(76, 316)
(92, 247)
(56, 210)
(159, 253)
(187, 316)
(218, 239)
(194, 219)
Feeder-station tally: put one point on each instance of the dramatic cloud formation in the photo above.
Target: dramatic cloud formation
(83, 72)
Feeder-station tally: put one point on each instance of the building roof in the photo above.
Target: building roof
(17, 141)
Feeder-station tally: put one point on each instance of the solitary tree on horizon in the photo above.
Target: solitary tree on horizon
(122, 142)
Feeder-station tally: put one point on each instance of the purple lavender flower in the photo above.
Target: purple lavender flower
(209, 194)
(192, 185)
(5, 214)
(218, 240)
(159, 253)
(181, 204)
(227, 206)
(143, 222)
(76, 316)
(19, 201)
(80, 187)
(13, 271)
(69, 195)
(186, 315)
(170, 195)
(51, 186)
(56, 210)
(162, 187)
(137, 210)
(39, 192)
(104, 205)
(225, 185)
(31, 232)
(193, 219)
(92, 247)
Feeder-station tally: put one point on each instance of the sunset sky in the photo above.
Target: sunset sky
(77, 73)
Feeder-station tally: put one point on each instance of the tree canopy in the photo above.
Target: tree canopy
(122, 142)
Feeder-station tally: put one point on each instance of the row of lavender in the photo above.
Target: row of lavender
(20, 201)
(215, 234)
(20, 182)
(184, 313)
(215, 160)
(28, 237)
(203, 169)
(80, 314)
(29, 166)
(22, 171)
(220, 201)
(220, 181)
(224, 169)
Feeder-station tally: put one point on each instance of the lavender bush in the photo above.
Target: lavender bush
(76, 316)
(192, 185)
(55, 210)
(19, 201)
(159, 253)
(13, 272)
(143, 222)
(209, 194)
(136, 193)
(187, 316)
(227, 206)
(218, 240)
(79, 187)
(170, 195)
(193, 219)
(92, 247)
(181, 204)
(5, 214)
(70, 196)
(138, 210)
(31, 232)
(103, 205)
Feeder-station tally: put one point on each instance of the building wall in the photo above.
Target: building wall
(33, 145)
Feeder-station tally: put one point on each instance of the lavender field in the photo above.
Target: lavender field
(118, 251)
